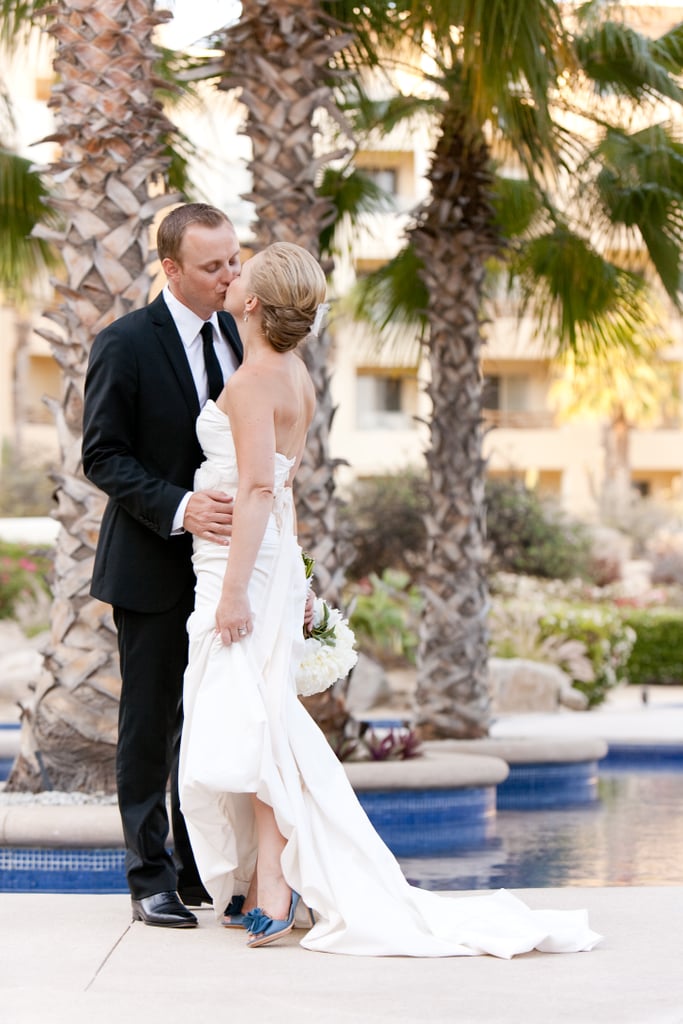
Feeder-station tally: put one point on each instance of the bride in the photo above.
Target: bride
(276, 828)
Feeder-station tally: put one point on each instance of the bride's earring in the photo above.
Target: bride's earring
(245, 318)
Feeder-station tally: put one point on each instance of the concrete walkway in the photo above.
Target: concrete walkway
(77, 959)
(623, 718)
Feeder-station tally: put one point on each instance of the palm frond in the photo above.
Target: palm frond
(394, 293)
(8, 123)
(513, 45)
(367, 115)
(529, 131)
(368, 23)
(577, 296)
(23, 203)
(620, 61)
(17, 20)
(352, 192)
(668, 49)
(641, 186)
(517, 203)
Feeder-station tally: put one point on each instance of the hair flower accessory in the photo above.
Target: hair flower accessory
(320, 314)
(329, 652)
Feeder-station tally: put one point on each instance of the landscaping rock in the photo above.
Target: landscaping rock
(20, 663)
(368, 685)
(519, 684)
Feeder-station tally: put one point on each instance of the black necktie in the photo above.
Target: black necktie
(213, 367)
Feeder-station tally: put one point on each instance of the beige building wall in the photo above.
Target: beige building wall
(382, 410)
(27, 368)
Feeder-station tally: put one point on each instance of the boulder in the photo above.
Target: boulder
(368, 685)
(20, 663)
(519, 684)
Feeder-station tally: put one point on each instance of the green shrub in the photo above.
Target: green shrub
(384, 521)
(530, 536)
(27, 489)
(657, 655)
(23, 574)
(384, 614)
(607, 644)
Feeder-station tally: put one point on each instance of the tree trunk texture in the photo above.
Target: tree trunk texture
(108, 183)
(279, 57)
(453, 237)
(617, 494)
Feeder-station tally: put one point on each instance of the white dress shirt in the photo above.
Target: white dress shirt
(189, 325)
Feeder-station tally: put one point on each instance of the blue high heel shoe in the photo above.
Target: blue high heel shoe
(232, 915)
(264, 930)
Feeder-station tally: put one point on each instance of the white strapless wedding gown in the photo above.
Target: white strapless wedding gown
(247, 732)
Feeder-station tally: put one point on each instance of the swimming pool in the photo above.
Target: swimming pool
(632, 834)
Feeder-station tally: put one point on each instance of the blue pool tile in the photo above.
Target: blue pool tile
(653, 756)
(549, 785)
(93, 871)
(423, 822)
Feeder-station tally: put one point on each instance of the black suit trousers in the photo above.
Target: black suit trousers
(153, 652)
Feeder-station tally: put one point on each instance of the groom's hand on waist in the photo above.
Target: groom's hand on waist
(209, 515)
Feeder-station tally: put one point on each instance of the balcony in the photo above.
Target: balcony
(537, 419)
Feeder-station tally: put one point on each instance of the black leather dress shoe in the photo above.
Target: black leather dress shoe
(164, 910)
(194, 896)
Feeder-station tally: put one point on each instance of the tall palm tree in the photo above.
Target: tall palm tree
(500, 69)
(24, 263)
(24, 259)
(114, 146)
(278, 57)
(108, 187)
(623, 391)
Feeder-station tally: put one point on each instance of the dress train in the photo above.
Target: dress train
(247, 732)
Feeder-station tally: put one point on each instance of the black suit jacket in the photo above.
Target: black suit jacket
(141, 449)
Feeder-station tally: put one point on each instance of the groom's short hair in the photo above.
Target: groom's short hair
(173, 227)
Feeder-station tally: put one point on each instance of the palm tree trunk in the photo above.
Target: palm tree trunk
(617, 492)
(111, 132)
(278, 57)
(453, 237)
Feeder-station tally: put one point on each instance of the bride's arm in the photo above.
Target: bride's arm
(249, 405)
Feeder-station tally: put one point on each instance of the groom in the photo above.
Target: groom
(147, 379)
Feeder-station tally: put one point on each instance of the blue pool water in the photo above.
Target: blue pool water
(632, 834)
(625, 830)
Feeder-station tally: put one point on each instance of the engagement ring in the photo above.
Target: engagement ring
(241, 631)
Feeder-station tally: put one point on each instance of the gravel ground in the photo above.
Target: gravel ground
(56, 798)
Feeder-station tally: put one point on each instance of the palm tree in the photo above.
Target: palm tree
(501, 70)
(24, 262)
(107, 165)
(278, 57)
(623, 390)
(109, 184)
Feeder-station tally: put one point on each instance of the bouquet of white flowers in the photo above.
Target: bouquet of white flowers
(329, 646)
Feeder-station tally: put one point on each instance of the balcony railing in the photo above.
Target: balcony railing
(519, 420)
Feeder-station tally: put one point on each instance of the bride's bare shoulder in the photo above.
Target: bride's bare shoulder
(301, 371)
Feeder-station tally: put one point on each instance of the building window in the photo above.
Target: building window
(513, 400)
(385, 401)
(506, 393)
(385, 178)
(491, 393)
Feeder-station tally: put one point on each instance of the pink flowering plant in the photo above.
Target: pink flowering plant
(23, 577)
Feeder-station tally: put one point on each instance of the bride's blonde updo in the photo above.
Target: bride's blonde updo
(290, 285)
